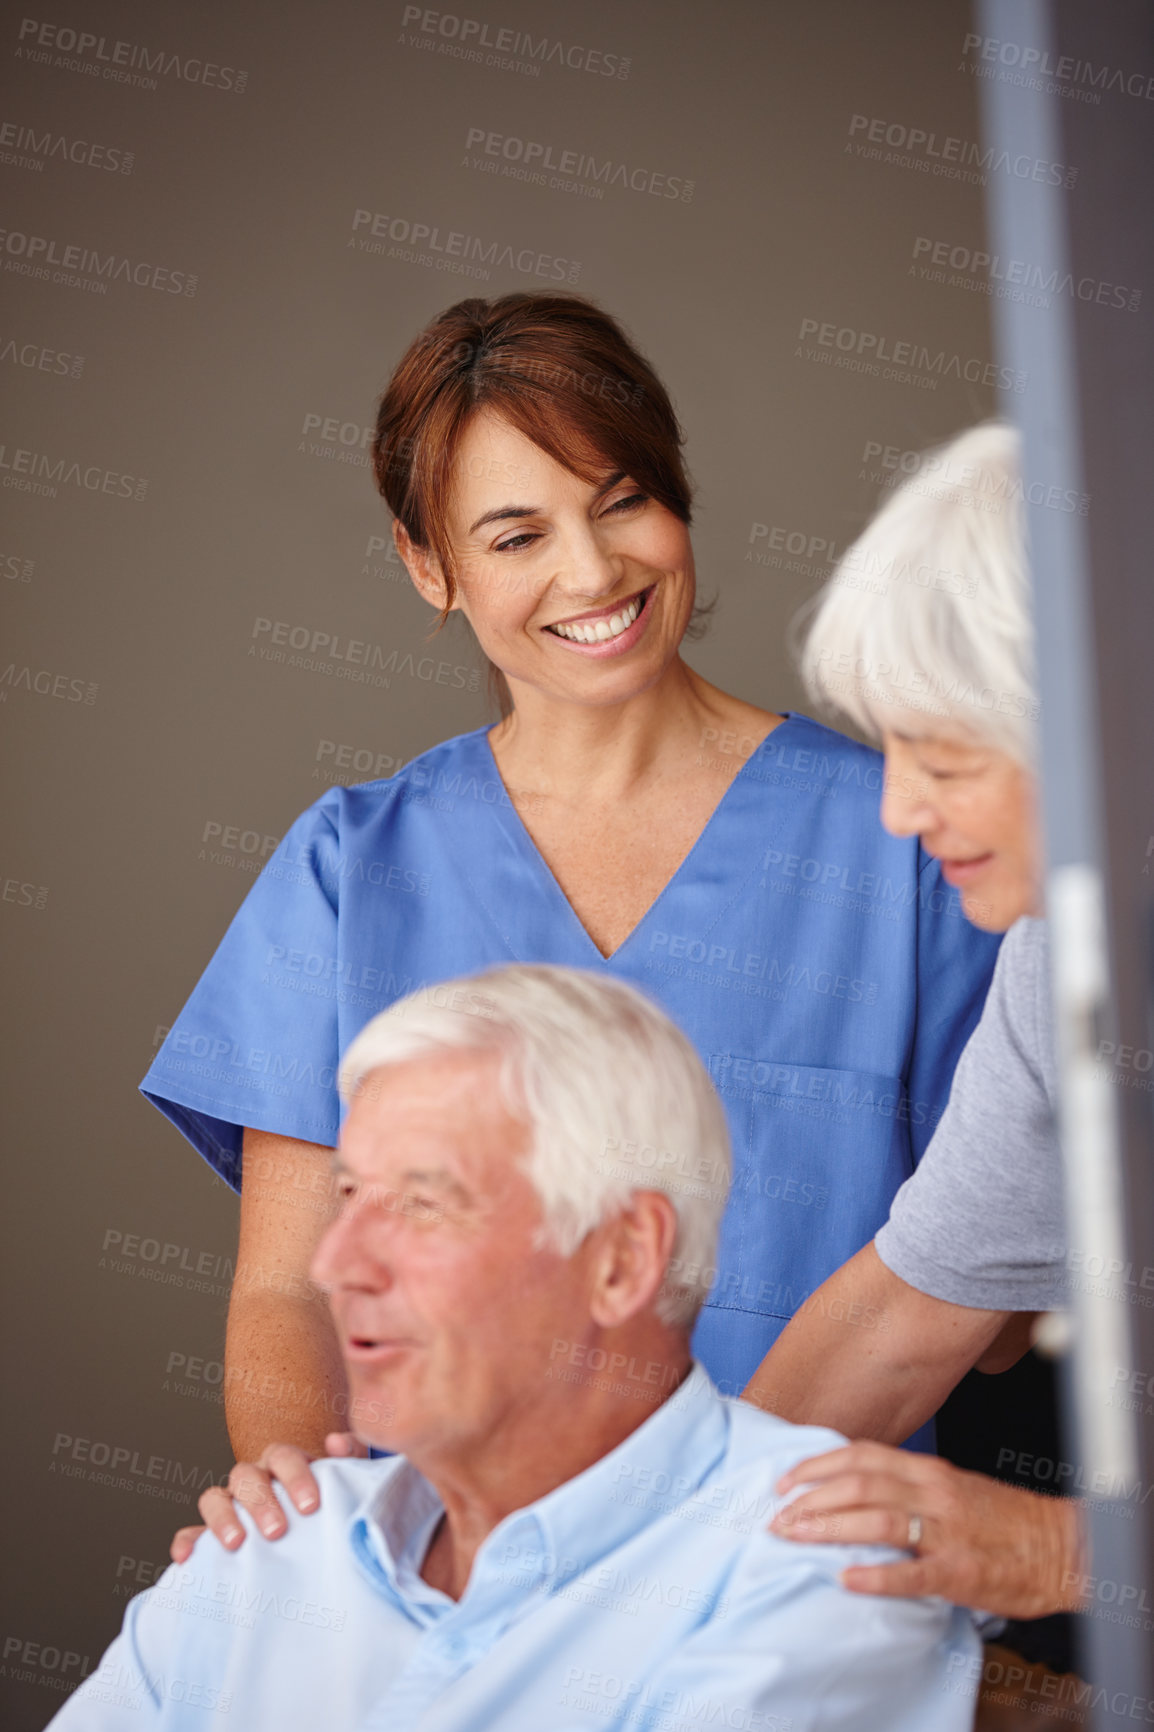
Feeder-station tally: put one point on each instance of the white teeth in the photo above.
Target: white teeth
(601, 630)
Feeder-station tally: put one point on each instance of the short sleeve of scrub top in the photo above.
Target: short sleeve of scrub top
(821, 967)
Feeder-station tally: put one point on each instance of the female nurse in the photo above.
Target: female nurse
(624, 816)
(976, 1243)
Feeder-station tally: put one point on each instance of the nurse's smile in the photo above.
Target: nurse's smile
(608, 630)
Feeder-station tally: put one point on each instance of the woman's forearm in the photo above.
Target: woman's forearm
(869, 1355)
(283, 1377)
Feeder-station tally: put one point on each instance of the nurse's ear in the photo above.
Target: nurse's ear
(423, 567)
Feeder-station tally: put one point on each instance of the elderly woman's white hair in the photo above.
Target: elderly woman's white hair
(615, 1096)
(925, 625)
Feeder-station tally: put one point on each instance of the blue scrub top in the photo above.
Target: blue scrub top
(826, 975)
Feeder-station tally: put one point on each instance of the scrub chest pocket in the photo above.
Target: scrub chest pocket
(816, 1199)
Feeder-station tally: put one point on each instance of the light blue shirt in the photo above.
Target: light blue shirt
(645, 1592)
(821, 967)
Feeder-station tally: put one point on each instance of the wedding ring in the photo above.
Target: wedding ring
(914, 1533)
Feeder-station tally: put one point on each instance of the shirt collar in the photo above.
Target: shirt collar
(542, 1546)
(390, 1532)
(653, 1470)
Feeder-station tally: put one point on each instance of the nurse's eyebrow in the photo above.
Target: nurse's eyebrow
(505, 512)
(502, 513)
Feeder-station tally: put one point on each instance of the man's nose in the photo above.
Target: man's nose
(340, 1251)
(325, 1263)
(354, 1249)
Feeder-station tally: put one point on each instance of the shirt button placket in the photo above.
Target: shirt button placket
(438, 1662)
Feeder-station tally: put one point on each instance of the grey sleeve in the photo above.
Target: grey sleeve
(981, 1221)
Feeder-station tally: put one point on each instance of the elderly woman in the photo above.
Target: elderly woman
(624, 816)
(923, 638)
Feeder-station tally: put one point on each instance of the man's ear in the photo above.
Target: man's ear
(633, 1258)
(423, 567)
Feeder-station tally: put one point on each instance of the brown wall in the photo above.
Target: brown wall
(182, 410)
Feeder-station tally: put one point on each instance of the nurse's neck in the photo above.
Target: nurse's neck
(607, 751)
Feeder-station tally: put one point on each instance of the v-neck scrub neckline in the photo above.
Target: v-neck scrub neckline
(535, 859)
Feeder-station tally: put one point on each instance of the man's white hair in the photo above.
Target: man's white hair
(925, 626)
(616, 1099)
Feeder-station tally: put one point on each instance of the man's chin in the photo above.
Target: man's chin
(373, 1422)
(393, 1406)
(372, 1411)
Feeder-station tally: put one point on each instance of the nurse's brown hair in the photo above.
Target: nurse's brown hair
(556, 368)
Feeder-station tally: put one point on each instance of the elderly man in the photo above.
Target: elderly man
(572, 1532)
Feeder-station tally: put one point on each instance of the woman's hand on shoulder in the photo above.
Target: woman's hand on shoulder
(975, 1541)
(250, 1484)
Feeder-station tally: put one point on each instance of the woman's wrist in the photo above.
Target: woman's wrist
(1067, 1560)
